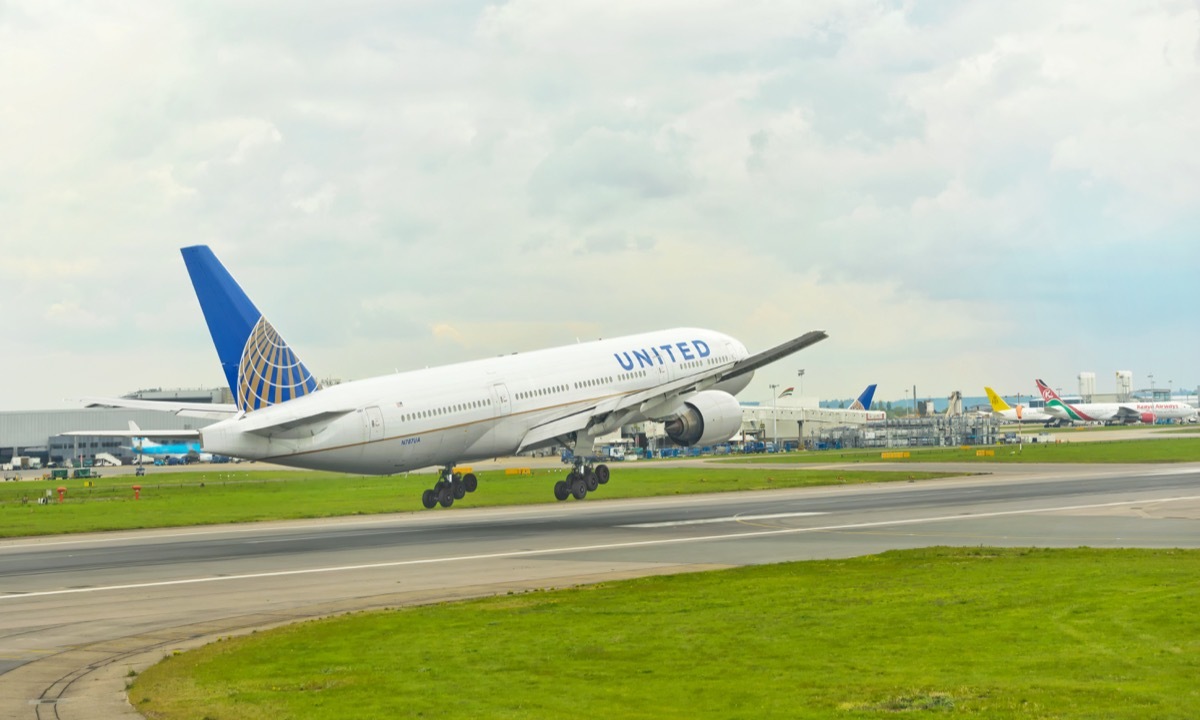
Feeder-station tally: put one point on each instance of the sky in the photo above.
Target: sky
(960, 194)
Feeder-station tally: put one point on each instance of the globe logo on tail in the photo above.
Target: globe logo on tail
(269, 372)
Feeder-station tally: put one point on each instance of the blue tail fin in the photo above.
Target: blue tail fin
(864, 401)
(260, 367)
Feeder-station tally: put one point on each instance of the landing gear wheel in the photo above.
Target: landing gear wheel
(590, 480)
(429, 498)
(470, 482)
(561, 491)
(446, 496)
(459, 490)
(578, 487)
(602, 473)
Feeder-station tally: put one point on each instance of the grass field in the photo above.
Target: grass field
(195, 498)
(975, 632)
(1166, 450)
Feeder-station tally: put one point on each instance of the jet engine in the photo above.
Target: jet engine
(707, 417)
(1148, 418)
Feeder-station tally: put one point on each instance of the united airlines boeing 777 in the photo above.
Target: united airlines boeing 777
(443, 416)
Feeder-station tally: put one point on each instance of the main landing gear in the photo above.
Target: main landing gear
(450, 486)
(584, 478)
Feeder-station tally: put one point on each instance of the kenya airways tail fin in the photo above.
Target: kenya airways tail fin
(1047, 393)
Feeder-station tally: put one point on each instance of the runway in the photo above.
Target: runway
(77, 613)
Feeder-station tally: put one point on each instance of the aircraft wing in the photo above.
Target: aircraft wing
(610, 413)
(157, 434)
(766, 357)
(209, 411)
(1127, 414)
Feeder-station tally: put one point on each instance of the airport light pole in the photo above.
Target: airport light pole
(800, 374)
(774, 421)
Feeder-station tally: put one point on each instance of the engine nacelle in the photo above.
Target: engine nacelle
(1148, 418)
(707, 417)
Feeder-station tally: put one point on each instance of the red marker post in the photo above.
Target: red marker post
(137, 492)
(62, 492)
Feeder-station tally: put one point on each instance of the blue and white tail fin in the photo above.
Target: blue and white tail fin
(864, 401)
(260, 367)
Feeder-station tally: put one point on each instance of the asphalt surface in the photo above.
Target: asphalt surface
(78, 613)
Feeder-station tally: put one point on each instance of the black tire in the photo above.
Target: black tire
(602, 474)
(591, 481)
(437, 486)
(578, 487)
(561, 491)
(459, 490)
(429, 499)
(446, 496)
(470, 482)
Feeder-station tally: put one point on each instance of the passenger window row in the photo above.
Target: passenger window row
(540, 392)
(446, 410)
(593, 383)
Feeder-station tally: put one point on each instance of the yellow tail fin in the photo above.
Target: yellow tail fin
(998, 404)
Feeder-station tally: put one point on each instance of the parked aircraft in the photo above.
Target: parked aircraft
(143, 446)
(1020, 413)
(185, 445)
(443, 416)
(864, 401)
(1127, 412)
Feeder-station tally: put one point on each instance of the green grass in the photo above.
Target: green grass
(978, 632)
(1165, 450)
(194, 498)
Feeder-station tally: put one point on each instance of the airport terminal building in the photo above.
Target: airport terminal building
(38, 434)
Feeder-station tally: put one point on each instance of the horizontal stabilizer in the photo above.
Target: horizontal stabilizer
(156, 434)
(278, 423)
(209, 411)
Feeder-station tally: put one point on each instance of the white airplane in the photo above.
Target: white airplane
(1127, 412)
(443, 416)
(1020, 413)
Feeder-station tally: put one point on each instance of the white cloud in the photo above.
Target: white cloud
(953, 191)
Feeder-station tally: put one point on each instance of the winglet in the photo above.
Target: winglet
(259, 366)
(864, 401)
(998, 404)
